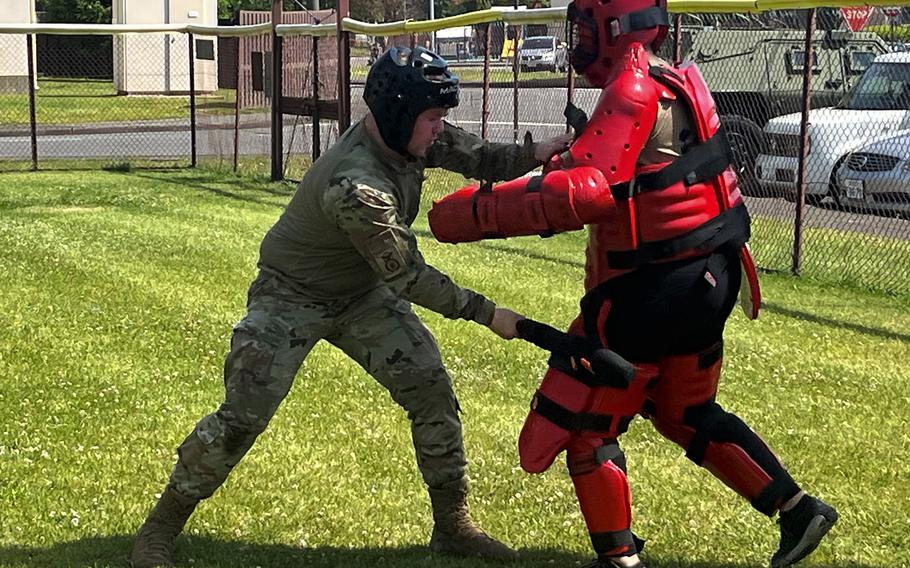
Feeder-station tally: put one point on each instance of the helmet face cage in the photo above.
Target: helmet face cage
(401, 85)
(581, 29)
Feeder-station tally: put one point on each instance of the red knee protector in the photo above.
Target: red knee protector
(685, 412)
(565, 407)
(541, 440)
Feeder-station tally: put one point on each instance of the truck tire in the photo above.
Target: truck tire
(747, 140)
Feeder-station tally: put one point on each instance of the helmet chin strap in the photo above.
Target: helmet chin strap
(376, 134)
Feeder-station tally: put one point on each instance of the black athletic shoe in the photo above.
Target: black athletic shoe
(801, 529)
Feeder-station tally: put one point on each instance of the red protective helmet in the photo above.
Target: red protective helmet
(600, 32)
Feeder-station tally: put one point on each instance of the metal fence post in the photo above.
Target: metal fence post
(316, 140)
(237, 108)
(677, 39)
(570, 93)
(190, 41)
(515, 64)
(344, 67)
(485, 113)
(277, 115)
(32, 121)
(803, 146)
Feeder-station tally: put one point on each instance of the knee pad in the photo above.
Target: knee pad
(565, 408)
(549, 425)
(726, 446)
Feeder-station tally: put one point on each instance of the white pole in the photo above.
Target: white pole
(433, 34)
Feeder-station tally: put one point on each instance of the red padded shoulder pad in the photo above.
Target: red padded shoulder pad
(622, 122)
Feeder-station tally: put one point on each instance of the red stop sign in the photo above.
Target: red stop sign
(856, 17)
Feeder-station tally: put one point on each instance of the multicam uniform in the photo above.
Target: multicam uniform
(342, 264)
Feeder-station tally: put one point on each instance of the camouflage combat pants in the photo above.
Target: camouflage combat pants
(379, 331)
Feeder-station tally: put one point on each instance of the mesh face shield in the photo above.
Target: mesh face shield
(581, 29)
(401, 85)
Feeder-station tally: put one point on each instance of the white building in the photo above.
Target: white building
(159, 63)
(14, 63)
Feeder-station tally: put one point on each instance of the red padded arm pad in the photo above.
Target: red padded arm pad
(560, 200)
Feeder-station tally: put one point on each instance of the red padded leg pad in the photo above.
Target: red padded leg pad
(683, 400)
(602, 490)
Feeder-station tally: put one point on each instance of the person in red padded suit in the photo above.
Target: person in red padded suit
(650, 172)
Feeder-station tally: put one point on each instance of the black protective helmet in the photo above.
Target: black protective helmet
(402, 84)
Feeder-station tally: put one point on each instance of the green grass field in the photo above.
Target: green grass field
(120, 290)
(81, 101)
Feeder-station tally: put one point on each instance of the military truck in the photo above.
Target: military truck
(756, 74)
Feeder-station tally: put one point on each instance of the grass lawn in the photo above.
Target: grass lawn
(120, 290)
(80, 101)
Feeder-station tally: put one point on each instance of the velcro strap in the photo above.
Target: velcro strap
(485, 209)
(607, 452)
(703, 436)
(568, 420)
(707, 358)
(646, 19)
(616, 543)
(780, 489)
(666, 76)
(730, 228)
(700, 163)
(534, 206)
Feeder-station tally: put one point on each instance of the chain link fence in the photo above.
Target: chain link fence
(851, 223)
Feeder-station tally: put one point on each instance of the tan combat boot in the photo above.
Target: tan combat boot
(154, 544)
(454, 531)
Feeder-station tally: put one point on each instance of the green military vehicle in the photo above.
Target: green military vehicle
(756, 74)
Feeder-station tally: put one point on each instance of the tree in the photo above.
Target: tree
(77, 11)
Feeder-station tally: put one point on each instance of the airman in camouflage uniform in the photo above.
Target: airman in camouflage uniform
(342, 264)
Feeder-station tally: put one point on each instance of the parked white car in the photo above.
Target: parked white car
(877, 176)
(878, 106)
(543, 52)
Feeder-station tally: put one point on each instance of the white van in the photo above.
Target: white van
(543, 52)
(878, 106)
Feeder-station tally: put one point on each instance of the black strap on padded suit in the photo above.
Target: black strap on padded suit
(652, 17)
(700, 163)
(730, 228)
(568, 420)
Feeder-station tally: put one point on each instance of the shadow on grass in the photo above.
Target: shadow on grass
(203, 182)
(202, 551)
(821, 320)
(423, 233)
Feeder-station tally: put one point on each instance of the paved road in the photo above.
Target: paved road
(540, 112)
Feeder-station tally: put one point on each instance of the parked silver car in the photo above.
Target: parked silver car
(877, 175)
(543, 52)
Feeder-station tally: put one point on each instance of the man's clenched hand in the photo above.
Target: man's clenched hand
(504, 321)
(543, 151)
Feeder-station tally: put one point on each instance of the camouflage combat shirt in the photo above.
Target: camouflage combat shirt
(348, 227)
